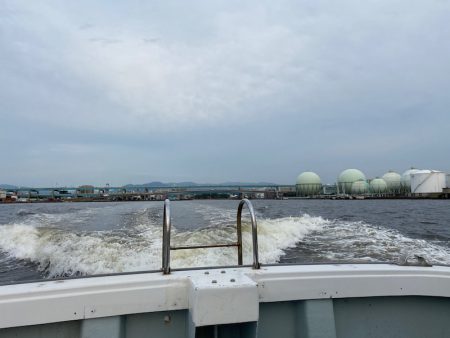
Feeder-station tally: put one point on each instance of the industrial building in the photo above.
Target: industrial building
(413, 183)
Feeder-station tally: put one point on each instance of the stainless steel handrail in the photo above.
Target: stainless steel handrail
(256, 264)
(167, 224)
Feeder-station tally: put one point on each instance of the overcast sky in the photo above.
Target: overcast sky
(214, 91)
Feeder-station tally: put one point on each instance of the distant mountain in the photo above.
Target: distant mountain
(171, 184)
(247, 183)
(157, 184)
(7, 186)
(193, 184)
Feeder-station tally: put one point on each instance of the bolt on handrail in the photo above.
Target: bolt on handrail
(167, 224)
(256, 264)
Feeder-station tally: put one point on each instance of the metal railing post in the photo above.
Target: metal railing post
(239, 240)
(167, 223)
(166, 247)
(256, 264)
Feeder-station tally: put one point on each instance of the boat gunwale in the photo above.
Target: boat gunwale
(215, 267)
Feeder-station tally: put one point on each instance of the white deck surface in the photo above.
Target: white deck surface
(54, 301)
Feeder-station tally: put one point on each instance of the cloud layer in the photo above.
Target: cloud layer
(136, 92)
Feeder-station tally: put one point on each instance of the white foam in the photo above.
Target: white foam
(362, 242)
(60, 252)
(18, 240)
(274, 236)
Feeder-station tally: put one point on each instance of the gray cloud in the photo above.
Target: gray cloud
(221, 91)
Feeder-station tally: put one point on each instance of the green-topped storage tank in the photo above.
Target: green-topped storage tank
(360, 187)
(392, 180)
(347, 178)
(308, 184)
(378, 186)
(405, 181)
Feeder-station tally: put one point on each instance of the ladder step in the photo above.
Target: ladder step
(166, 247)
(204, 246)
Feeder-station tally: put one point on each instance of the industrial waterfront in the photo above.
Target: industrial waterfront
(88, 193)
(351, 183)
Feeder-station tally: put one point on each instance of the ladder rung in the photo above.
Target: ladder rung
(204, 246)
(166, 247)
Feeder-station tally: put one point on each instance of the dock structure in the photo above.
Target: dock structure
(146, 193)
(446, 192)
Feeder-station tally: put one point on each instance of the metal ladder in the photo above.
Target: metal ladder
(167, 224)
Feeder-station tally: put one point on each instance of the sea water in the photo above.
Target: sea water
(54, 240)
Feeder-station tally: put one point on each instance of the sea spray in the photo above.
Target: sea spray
(61, 253)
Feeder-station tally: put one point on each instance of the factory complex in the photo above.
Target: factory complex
(352, 183)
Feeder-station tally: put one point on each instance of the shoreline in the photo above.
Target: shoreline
(332, 198)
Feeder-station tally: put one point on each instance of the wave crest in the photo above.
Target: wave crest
(59, 252)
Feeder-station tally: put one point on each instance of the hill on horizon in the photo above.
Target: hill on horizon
(7, 186)
(156, 184)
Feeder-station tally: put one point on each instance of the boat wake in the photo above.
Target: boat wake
(60, 252)
(64, 251)
(360, 242)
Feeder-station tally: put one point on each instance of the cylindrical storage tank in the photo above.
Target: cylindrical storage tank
(379, 186)
(427, 181)
(405, 182)
(347, 178)
(360, 187)
(308, 184)
(392, 180)
(447, 180)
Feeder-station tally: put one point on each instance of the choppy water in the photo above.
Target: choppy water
(39, 241)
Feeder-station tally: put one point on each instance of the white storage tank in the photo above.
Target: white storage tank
(448, 181)
(427, 181)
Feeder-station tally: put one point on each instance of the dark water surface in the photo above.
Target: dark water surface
(40, 241)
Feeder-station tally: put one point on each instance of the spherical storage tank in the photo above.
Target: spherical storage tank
(360, 187)
(405, 181)
(347, 178)
(379, 186)
(308, 183)
(392, 180)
